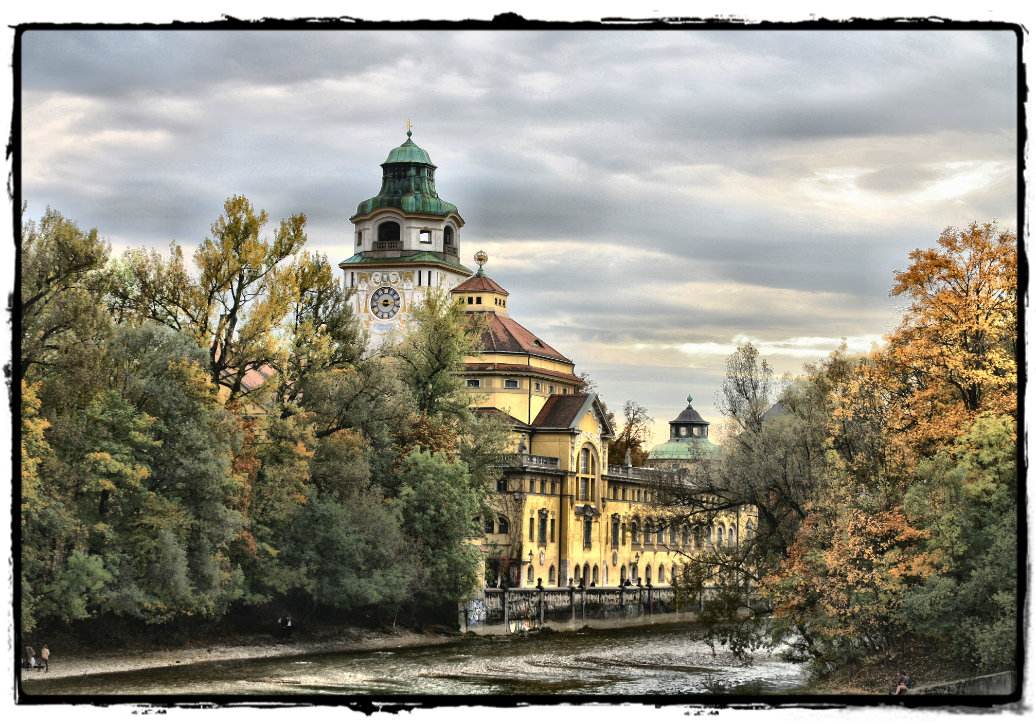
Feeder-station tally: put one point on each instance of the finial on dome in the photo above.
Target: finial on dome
(689, 398)
(481, 258)
(409, 133)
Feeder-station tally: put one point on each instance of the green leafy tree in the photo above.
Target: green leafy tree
(352, 553)
(967, 497)
(438, 507)
(63, 319)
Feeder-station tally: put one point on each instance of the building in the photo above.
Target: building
(565, 514)
(688, 440)
(407, 242)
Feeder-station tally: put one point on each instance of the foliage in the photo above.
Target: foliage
(63, 320)
(438, 507)
(885, 486)
(955, 352)
(636, 428)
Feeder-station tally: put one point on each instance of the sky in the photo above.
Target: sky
(650, 200)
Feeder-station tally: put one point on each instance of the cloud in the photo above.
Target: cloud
(647, 197)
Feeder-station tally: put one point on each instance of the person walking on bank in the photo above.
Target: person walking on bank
(30, 654)
(288, 626)
(45, 658)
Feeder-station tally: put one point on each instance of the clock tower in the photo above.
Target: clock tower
(406, 242)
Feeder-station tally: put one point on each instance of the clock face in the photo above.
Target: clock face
(384, 302)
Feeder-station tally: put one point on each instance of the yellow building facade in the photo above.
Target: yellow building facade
(565, 514)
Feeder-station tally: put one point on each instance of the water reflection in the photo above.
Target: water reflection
(665, 659)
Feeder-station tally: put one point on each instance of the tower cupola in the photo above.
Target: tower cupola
(407, 184)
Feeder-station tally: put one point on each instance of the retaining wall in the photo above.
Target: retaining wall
(1001, 684)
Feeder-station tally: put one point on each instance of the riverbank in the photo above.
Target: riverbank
(875, 677)
(255, 647)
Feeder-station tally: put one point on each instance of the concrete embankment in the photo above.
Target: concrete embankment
(1001, 684)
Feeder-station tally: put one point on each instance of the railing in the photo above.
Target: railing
(523, 608)
(387, 245)
(522, 460)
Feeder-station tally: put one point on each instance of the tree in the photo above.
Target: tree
(430, 357)
(954, 354)
(770, 473)
(636, 427)
(63, 319)
(438, 507)
(966, 496)
(137, 489)
(245, 287)
(320, 327)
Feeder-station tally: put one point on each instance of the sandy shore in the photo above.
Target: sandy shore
(258, 648)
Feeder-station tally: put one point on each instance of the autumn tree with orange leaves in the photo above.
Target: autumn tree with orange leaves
(954, 354)
(897, 471)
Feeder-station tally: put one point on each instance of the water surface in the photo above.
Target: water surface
(668, 659)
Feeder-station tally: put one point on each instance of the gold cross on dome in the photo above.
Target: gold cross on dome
(408, 126)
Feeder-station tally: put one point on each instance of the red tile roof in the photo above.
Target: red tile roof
(560, 411)
(495, 412)
(522, 369)
(480, 284)
(506, 335)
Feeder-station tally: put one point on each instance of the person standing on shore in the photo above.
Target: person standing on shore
(30, 654)
(288, 627)
(45, 658)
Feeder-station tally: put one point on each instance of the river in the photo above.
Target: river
(665, 659)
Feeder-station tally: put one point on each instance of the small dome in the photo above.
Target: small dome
(689, 415)
(688, 438)
(408, 184)
(683, 449)
(409, 152)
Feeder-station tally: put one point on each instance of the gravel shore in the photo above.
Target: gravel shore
(257, 648)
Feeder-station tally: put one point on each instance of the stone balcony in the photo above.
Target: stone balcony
(524, 460)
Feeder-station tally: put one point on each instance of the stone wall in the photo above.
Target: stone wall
(520, 609)
(1002, 684)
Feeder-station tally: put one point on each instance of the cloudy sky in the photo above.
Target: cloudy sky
(649, 199)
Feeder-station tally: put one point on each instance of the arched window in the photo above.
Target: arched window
(719, 535)
(636, 573)
(615, 531)
(596, 576)
(684, 537)
(635, 531)
(489, 525)
(748, 529)
(551, 574)
(532, 575)
(731, 537)
(661, 574)
(502, 525)
(447, 235)
(648, 540)
(622, 574)
(388, 231)
(647, 572)
(587, 467)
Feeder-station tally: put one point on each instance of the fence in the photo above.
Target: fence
(520, 609)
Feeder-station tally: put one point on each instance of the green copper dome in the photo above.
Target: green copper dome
(408, 184)
(686, 449)
(688, 437)
(409, 152)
